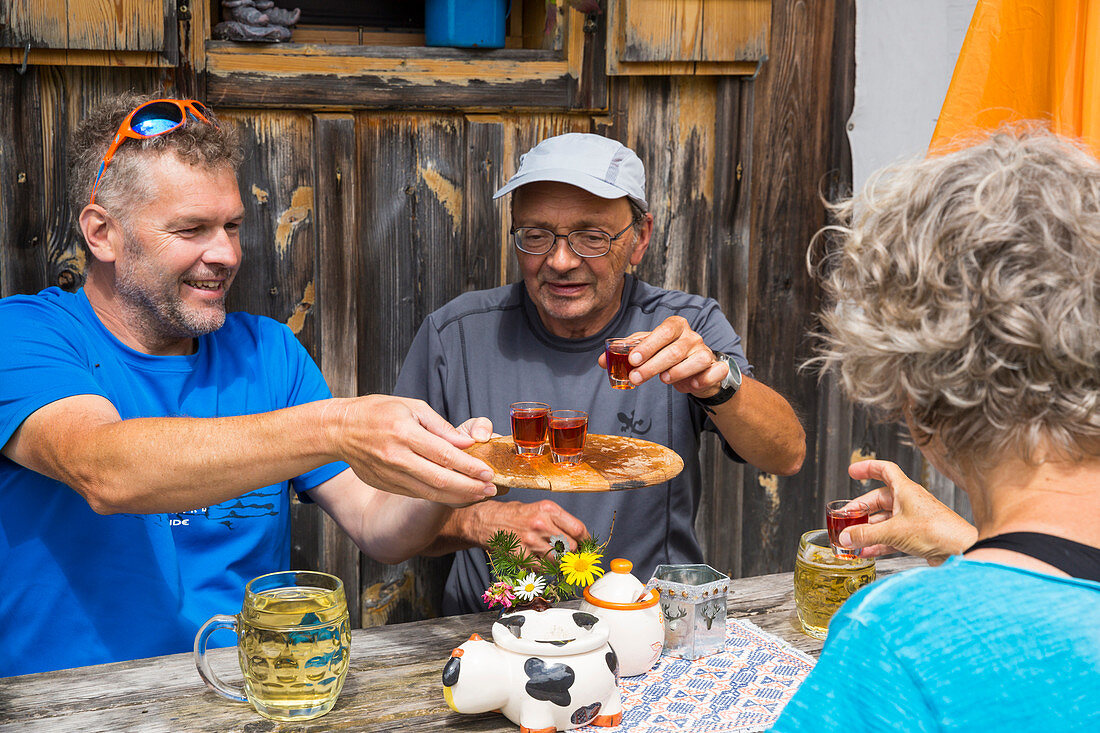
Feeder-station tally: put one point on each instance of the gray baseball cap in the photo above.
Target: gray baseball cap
(598, 164)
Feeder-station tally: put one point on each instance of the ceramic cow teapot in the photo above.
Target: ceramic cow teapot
(545, 670)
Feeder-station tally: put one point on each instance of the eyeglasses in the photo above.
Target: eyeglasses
(583, 242)
(158, 117)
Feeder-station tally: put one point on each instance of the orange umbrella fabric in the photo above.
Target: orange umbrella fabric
(1025, 60)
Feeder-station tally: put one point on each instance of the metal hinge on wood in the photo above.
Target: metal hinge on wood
(183, 9)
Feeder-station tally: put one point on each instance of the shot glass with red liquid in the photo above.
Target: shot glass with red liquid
(568, 429)
(616, 352)
(840, 514)
(530, 424)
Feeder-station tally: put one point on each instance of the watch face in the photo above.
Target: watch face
(733, 379)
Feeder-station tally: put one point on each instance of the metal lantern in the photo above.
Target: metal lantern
(693, 606)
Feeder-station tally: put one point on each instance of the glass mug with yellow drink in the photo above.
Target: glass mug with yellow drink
(293, 643)
(823, 581)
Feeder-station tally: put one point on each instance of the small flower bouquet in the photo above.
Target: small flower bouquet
(532, 581)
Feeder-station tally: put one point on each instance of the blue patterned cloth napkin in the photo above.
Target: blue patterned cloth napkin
(742, 688)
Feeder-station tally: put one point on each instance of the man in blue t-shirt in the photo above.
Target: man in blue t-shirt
(579, 221)
(149, 439)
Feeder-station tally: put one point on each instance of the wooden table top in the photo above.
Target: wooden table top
(394, 682)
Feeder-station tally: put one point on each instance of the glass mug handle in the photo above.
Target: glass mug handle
(203, 664)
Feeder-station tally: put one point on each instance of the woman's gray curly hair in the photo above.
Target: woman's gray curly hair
(963, 293)
(126, 182)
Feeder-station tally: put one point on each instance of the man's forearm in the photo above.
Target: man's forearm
(409, 527)
(174, 464)
(455, 534)
(762, 428)
(387, 527)
(151, 465)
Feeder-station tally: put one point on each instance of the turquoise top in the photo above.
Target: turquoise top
(967, 646)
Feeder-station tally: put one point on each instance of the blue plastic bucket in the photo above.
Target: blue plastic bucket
(465, 23)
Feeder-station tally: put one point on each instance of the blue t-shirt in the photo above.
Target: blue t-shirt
(488, 348)
(968, 646)
(77, 588)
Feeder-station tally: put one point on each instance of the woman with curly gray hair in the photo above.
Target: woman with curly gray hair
(963, 297)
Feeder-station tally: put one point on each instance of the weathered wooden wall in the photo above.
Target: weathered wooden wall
(361, 222)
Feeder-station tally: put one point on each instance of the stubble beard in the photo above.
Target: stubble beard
(155, 301)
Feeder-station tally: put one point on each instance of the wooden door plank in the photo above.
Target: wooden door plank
(674, 37)
(192, 30)
(129, 26)
(277, 186)
(672, 128)
(587, 55)
(484, 218)
(22, 186)
(410, 263)
(65, 254)
(337, 176)
(301, 75)
(718, 523)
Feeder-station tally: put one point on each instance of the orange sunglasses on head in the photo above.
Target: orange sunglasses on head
(158, 117)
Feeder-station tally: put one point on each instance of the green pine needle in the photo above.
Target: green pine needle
(589, 544)
(503, 542)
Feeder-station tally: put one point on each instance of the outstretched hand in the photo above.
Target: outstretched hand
(905, 517)
(402, 446)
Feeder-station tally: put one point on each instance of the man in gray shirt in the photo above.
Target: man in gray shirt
(579, 220)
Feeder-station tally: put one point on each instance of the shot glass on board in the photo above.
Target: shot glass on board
(530, 424)
(568, 429)
(840, 514)
(616, 352)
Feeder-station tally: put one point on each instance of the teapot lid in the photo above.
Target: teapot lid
(555, 632)
(619, 587)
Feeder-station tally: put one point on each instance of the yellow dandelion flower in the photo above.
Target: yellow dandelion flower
(581, 568)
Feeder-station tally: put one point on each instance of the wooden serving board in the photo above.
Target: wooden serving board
(609, 463)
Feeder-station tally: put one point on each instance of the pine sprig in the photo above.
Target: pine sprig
(508, 558)
(503, 542)
(591, 544)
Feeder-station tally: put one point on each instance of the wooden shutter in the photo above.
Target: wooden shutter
(94, 32)
(687, 36)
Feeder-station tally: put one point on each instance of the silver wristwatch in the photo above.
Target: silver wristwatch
(727, 388)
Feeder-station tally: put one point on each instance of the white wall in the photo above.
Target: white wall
(905, 53)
